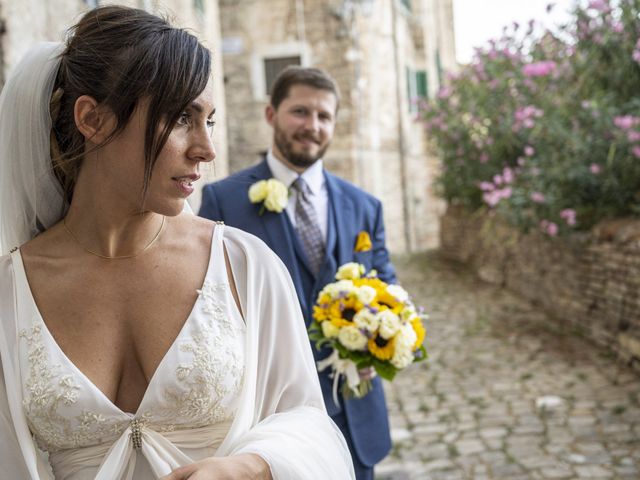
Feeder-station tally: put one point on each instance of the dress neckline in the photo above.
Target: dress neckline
(216, 240)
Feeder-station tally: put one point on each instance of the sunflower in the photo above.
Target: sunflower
(381, 348)
(321, 314)
(345, 308)
(416, 323)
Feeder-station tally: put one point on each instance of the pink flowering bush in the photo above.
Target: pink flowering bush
(545, 130)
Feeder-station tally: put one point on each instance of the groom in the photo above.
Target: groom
(326, 222)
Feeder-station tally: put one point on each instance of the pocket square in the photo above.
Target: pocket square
(363, 242)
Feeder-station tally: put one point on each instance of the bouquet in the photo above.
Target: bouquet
(367, 323)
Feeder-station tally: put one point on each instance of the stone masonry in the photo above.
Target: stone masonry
(589, 282)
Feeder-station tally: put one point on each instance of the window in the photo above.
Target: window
(273, 66)
(199, 6)
(417, 87)
(92, 3)
(406, 4)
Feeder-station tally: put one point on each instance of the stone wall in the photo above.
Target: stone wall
(589, 282)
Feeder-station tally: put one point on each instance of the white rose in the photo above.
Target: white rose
(366, 294)
(329, 330)
(342, 287)
(389, 324)
(408, 313)
(366, 320)
(402, 356)
(352, 338)
(398, 293)
(349, 271)
(406, 336)
(258, 191)
(277, 196)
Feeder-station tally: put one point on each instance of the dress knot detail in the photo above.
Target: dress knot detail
(136, 433)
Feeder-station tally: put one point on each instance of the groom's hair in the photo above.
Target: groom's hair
(295, 75)
(121, 56)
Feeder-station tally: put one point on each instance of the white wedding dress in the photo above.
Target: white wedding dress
(223, 387)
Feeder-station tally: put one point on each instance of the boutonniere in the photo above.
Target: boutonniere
(363, 242)
(272, 193)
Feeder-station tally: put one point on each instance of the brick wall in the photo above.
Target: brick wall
(589, 282)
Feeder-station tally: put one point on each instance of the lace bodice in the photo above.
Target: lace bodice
(195, 385)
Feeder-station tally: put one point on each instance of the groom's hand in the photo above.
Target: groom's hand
(246, 466)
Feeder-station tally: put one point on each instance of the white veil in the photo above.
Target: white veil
(31, 198)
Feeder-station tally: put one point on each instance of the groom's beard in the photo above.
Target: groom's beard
(297, 159)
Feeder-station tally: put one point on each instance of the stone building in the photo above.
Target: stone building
(26, 22)
(384, 54)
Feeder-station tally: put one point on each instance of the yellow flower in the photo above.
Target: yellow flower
(345, 308)
(381, 348)
(363, 242)
(416, 323)
(271, 192)
(340, 322)
(321, 314)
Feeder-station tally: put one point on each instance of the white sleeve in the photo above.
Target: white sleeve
(11, 458)
(19, 457)
(281, 415)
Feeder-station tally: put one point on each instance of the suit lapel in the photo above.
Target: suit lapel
(279, 234)
(343, 211)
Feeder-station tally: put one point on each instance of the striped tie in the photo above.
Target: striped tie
(307, 225)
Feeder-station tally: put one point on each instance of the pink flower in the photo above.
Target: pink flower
(507, 175)
(626, 122)
(633, 136)
(539, 69)
(549, 228)
(636, 151)
(618, 27)
(569, 216)
(525, 116)
(537, 197)
(445, 92)
(595, 168)
(636, 56)
(484, 157)
(599, 5)
(492, 198)
(529, 151)
(497, 179)
(486, 186)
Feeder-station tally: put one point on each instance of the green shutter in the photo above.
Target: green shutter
(421, 84)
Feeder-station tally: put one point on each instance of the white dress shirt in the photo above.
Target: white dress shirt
(314, 176)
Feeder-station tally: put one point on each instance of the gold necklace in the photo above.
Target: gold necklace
(118, 257)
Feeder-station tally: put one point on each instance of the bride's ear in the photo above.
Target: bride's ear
(92, 120)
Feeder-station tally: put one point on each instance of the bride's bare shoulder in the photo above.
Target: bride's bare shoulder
(194, 229)
(47, 245)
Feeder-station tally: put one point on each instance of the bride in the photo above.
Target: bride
(137, 340)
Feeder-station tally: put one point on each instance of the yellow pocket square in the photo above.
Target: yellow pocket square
(363, 242)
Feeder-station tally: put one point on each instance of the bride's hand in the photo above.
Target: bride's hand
(236, 467)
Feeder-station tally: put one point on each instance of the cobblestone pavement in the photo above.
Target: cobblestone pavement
(505, 394)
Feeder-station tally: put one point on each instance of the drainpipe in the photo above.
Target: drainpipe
(402, 150)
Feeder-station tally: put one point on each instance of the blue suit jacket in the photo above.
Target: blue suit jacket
(351, 211)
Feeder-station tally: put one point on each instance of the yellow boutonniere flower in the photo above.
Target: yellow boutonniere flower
(272, 193)
(363, 242)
